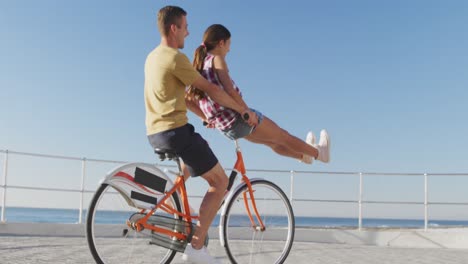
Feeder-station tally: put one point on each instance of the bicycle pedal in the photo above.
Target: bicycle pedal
(132, 222)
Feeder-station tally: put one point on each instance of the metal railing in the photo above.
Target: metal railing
(293, 174)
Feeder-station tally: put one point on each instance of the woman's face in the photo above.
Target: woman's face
(225, 46)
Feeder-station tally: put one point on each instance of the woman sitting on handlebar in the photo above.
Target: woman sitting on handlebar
(209, 60)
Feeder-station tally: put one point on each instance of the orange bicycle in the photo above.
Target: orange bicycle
(138, 215)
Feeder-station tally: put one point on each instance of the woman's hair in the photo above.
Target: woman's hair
(213, 35)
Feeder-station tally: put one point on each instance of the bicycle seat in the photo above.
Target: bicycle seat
(166, 154)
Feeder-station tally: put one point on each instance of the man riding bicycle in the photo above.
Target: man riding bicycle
(167, 73)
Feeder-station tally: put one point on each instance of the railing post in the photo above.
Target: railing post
(5, 171)
(292, 188)
(360, 202)
(83, 174)
(425, 202)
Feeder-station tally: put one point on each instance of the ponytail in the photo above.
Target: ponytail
(199, 57)
(194, 93)
(213, 35)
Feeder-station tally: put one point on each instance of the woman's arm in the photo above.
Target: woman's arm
(222, 71)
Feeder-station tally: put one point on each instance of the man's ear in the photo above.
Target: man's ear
(173, 28)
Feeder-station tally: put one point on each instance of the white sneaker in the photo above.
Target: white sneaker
(324, 147)
(310, 139)
(201, 256)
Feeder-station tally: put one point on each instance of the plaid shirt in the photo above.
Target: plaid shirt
(220, 116)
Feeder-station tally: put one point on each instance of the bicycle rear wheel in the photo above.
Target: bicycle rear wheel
(112, 241)
(246, 244)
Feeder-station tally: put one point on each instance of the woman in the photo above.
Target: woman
(209, 60)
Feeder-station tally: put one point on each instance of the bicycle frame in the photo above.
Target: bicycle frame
(179, 186)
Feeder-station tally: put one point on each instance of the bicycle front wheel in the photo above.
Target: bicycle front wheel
(112, 241)
(246, 243)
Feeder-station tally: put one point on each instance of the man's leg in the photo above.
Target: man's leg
(218, 181)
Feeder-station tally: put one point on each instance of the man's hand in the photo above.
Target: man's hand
(207, 124)
(252, 118)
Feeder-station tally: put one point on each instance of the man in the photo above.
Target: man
(167, 73)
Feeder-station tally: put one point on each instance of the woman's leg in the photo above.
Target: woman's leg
(275, 147)
(270, 133)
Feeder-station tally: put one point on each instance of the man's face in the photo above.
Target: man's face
(181, 32)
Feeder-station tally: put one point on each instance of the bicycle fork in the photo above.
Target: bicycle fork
(249, 195)
(239, 167)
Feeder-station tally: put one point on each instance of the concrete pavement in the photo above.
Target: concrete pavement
(39, 249)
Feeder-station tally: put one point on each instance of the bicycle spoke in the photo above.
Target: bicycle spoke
(276, 214)
(112, 241)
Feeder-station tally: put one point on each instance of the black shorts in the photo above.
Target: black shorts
(190, 146)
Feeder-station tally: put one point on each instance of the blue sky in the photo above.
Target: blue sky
(386, 79)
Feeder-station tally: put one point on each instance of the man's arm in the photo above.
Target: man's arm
(195, 108)
(222, 98)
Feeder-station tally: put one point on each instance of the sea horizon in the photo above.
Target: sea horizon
(71, 216)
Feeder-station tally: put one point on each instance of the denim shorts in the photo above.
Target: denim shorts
(189, 145)
(241, 128)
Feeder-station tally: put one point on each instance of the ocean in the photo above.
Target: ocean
(45, 215)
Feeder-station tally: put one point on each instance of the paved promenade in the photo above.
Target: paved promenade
(22, 249)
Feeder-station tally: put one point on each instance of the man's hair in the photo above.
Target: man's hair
(168, 16)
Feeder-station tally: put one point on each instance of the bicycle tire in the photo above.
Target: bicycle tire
(107, 241)
(243, 243)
